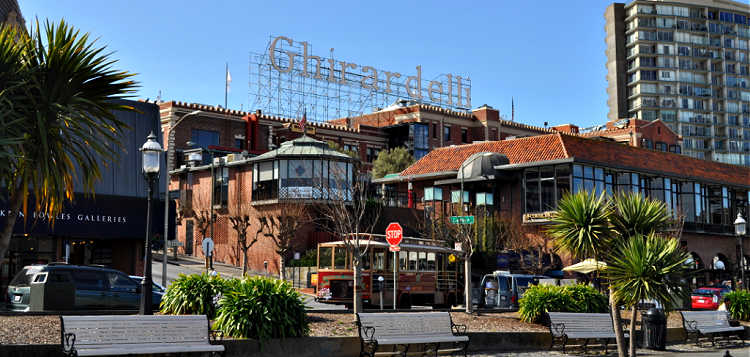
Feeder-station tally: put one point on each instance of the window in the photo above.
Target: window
(89, 280)
(120, 282)
(541, 192)
(422, 261)
(372, 154)
(205, 138)
(433, 194)
(661, 146)
(403, 260)
(646, 143)
(239, 143)
(339, 258)
(324, 258)
(464, 135)
(420, 135)
(221, 187)
(434, 131)
(447, 133)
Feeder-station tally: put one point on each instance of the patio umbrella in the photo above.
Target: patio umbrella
(587, 266)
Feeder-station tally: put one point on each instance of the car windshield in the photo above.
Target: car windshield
(23, 278)
(704, 292)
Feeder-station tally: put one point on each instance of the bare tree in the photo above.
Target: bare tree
(280, 224)
(240, 216)
(202, 215)
(351, 213)
(465, 236)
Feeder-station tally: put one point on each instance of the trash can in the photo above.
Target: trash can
(654, 328)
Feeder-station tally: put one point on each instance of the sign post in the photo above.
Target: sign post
(208, 251)
(394, 234)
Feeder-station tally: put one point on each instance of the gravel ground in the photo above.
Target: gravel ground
(46, 329)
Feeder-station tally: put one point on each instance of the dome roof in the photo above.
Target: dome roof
(304, 146)
(482, 164)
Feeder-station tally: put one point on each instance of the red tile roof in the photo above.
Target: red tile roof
(561, 146)
(535, 148)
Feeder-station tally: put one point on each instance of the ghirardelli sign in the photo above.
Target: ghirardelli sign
(312, 75)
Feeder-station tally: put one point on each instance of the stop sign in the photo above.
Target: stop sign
(394, 233)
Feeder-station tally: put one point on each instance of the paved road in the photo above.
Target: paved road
(672, 351)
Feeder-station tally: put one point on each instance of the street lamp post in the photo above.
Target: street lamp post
(151, 152)
(170, 154)
(740, 228)
(467, 261)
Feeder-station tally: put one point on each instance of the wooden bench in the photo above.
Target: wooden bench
(708, 324)
(565, 326)
(435, 332)
(135, 334)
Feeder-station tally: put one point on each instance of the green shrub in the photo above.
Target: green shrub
(262, 308)
(540, 299)
(739, 304)
(587, 299)
(194, 294)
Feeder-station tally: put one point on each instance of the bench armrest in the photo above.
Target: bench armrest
(215, 335)
(69, 341)
(459, 330)
(691, 325)
(367, 332)
(557, 329)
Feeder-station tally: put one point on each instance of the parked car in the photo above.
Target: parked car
(501, 289)
(60, 286)
(708, 298)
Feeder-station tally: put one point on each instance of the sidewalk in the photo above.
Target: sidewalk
(198, 264)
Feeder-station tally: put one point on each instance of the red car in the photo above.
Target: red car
(707, 298)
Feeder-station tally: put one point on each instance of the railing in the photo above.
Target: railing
(446, 281)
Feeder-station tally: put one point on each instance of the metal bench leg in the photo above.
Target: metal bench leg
(585, 345)
(606, 342)
(565, 342)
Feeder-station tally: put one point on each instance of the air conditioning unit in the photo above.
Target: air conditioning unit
(218, 160)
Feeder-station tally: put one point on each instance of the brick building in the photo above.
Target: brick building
(235, 139)
(530, 175)
(418, 127)
(634, 132)
(301, 171)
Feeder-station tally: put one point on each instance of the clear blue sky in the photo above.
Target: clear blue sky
(548, 55)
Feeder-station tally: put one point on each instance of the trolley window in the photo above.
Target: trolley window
(423, 261)
(413, 261)
(339, 258)
(379, 260)
(431, 262)
(324, 259)
(403, 261)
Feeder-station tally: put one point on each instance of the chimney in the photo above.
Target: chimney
(566, 128)
(485, 113)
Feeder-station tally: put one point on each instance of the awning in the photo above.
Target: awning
(587, 266)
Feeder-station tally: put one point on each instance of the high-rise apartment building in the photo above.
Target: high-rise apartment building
(686, 63)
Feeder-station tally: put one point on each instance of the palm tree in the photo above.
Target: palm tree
(62, 93)
(646, 267)
(635, 214)
(581, 226)
(635, 217)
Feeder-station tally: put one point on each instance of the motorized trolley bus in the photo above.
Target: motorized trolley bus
(426, 272)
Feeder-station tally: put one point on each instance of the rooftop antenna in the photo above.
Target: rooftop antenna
(512, 110)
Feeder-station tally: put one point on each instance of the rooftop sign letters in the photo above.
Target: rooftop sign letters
(291, 77)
